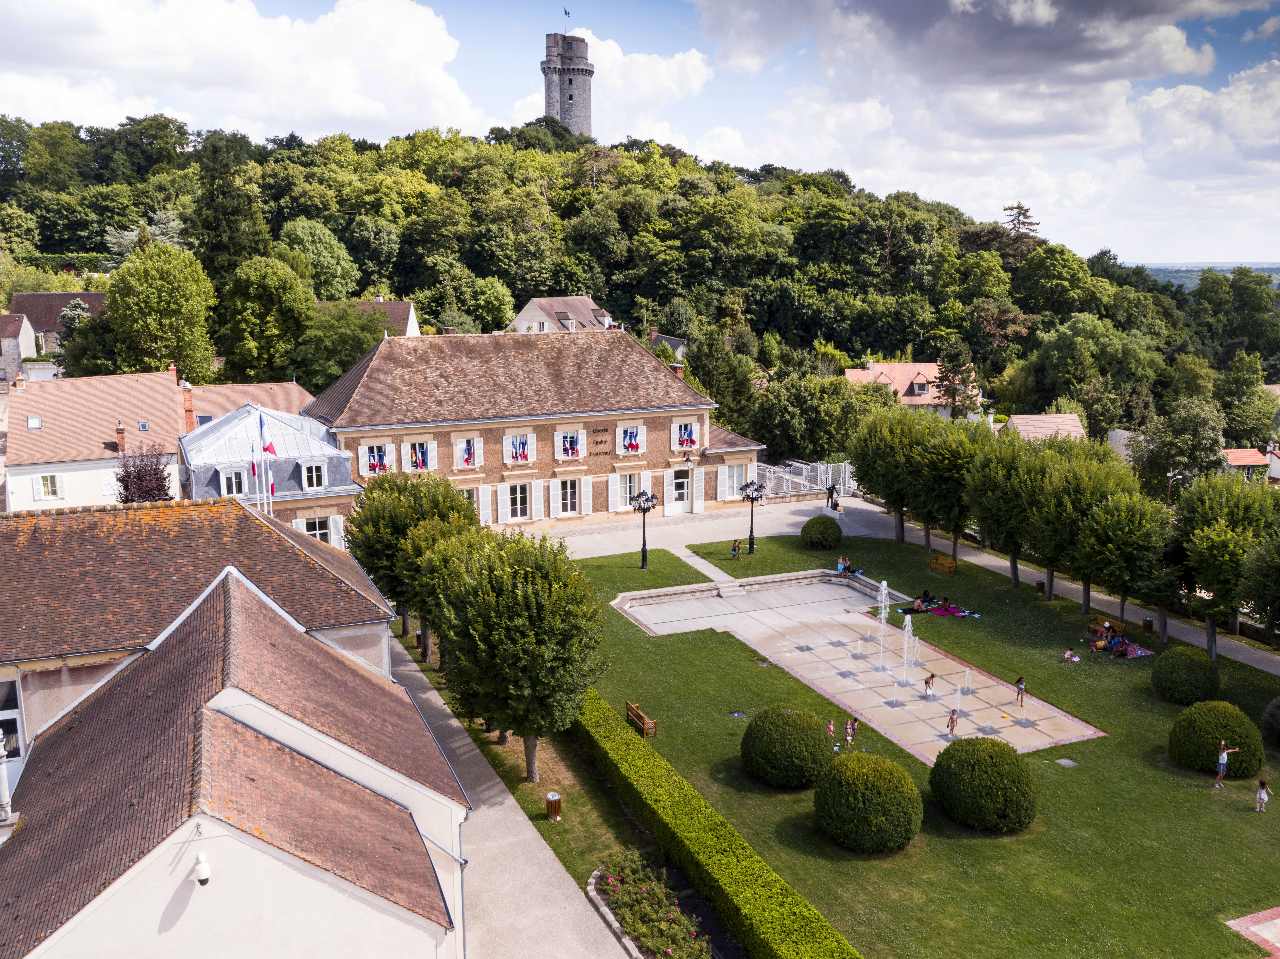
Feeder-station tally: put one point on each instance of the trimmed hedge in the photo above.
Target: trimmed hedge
(1196, 733)
(1184, 675)
(820, 532)
(1271, 722)
(769, 918)
(868, 803)
(785, 747)
(76, 262)
(984, 784)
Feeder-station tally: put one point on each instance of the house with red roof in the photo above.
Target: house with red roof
(914, 384)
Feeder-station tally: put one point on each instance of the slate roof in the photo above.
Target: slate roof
(10, 325)
(78, 417)
(112, 577)
(564, 314)
(142, 754)
(502, 376)
(1039, 426)
(43, 309)
(392, 314)
(722, 440)
(234, 436)
(222, 398)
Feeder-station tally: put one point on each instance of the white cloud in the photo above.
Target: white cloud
(1027, 13)
(373, 68)
(1262, 31)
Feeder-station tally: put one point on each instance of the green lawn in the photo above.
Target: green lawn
(1128, 857)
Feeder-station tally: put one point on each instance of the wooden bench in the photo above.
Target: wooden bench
(942, 563)
(645, 726)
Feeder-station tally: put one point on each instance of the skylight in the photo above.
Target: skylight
(34, 423)
(143, 426)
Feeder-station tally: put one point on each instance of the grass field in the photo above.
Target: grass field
(1129, 857)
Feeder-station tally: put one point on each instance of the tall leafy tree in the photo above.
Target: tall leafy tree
(143, 475)
(1122, 541)
(519, 631)
(266, 308)
(333, 272)
(1216, 556)
(1000, 489)
(958, 379)
(812, 417)
(1248, 409)
(1260, 584)
(1176, 448)
(949, 452)
(880, 452)
(334, 336)
(227, 222)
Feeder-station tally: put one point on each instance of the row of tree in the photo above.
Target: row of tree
(1074, 506)
(517, 624)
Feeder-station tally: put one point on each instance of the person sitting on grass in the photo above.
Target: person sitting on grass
(918, 605)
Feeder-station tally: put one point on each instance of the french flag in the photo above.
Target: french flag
(267, 445)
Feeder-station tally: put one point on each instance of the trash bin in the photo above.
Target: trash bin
(1148, 624)
(553, 806)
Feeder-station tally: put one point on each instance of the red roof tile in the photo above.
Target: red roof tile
(1245, 457)
(45, 309)
(224, 397)
(392, 314)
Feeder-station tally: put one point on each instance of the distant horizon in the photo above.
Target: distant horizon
(1204, 264)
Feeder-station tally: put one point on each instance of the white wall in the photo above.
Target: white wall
(260, 904)
(368, 643)
(87, 483)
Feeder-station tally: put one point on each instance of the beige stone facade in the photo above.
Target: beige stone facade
(616, 456)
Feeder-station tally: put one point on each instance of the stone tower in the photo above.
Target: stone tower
(566, 77)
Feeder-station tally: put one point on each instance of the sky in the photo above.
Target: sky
(1148, 126)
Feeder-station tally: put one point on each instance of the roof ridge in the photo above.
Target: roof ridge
(118, 507)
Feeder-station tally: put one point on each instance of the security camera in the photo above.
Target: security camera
(202, 871)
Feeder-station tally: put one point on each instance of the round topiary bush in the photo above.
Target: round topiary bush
(785, 747)
(1271, 722)
(1197, 732)
(984, 784)
(1184, 675)
(820, 532)
(867, 803)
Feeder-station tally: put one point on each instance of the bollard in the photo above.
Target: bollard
(553, 806)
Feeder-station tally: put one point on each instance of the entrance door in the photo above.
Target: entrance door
(683, 483)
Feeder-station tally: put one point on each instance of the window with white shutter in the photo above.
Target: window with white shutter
(433, 456)
(536, 492)
(630, 440)
(722, 483)
(336, 531)
(518, 449)
(669, 504)
(557, 494)
(570, 444)
(484, 504)
(504, 503)
(646, 481)
(614, 498)
(584, 496)
(699, 489)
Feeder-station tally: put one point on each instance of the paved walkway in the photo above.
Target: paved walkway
(709, 570)
(520, 902)
(820, 631)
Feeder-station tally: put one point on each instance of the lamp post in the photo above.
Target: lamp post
(642, 502)
(753, 492)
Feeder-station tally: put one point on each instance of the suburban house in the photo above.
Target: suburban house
(311, 475)
(198, 768)
(914, 384)
(397, 317)
(1250, 462)
(561, 314)
(124, 573)
(535, 427)
(44, 311)
(66, 436)
(17, 344)
(678, 345)
(1040, 426)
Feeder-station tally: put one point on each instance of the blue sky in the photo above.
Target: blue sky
(1151, 126)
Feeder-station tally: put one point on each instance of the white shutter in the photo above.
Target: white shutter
(391, 457)
(405, 458)
(617, 442)
(582, 444)
(584, 496)
(300, 525)
(614, 494)
(699, 489)
(433, 456)
(643, 430)
(675, 437)
(751, 472)
(555, 492)
(504, 504)
(535, 492)
(722, 482)
(362, 453)
(533, 447)
(646, 482)
(669, 505)
(336, 535)
(479, 451)
(506, 449)
(37, 491)
(458, 447)
(483, 496)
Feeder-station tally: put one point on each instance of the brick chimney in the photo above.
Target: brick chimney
(120, 437)
(19, 382)
(173, 371)
(677, 369)
(188, 409)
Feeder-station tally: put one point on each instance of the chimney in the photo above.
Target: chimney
(188, 410)
(19, 382)
(173, 371)
(677, 369)
(120, 437)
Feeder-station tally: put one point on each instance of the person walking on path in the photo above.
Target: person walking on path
(735, 549)
(952, 722)
(1021, 687)
(1224, 755)
(928, 686)
(1264, 795)
(850, 730)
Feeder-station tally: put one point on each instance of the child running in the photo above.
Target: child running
(928, 686)
(1264, 795)
(1021, 687)
(1224, 755)
(952, 722)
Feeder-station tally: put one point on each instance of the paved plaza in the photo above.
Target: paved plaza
(825, 632)
(1262, 929)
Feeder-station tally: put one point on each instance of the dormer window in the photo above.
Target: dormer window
(313, 476)
(542, 326)
(143, 426)
(233, 483)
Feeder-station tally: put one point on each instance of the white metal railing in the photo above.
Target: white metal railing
(798, 478)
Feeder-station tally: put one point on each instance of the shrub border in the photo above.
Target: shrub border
(769, 918)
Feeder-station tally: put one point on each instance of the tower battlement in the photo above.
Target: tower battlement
(566, 79)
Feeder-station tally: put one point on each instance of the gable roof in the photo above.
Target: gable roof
(392, 314)
(564, 314)
(899, 376)
(220, 398)
(115, 576)
(78, 417)
(44, 309)
(11, 325)
(1040, 426)
(1245, 457)
(473, 378)
(721, 440)
(234, 436)
(143, 753)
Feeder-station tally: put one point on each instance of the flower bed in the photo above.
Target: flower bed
(647, 910)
